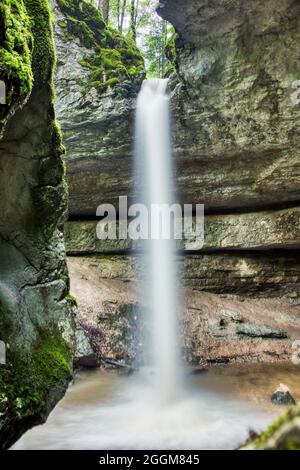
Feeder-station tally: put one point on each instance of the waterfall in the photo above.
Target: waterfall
(155, 177)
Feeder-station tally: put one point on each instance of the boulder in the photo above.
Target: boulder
(260, 331)
(282, 396)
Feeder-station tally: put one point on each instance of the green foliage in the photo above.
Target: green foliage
(43, 58)
(116, 58)
(170, 51)
(150, 32)
(72, 300)
(16, 43)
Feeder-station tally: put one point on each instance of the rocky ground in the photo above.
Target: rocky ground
(215, 328)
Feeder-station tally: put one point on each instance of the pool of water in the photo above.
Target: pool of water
(215, 410)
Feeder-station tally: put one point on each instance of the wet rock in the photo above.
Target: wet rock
(85, 356)
(118, 332)
(199, 370)
(229, 315)
(281, 229)
(282, 396)
(234, 146)
(260, 331)
(111, 363)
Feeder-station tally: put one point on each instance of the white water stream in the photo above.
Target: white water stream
(154, 171)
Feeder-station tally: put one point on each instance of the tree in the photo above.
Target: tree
(122, 15)
(104, 6)
(134, 9)
(138, 20)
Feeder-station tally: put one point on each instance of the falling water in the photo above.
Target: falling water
(154, 167)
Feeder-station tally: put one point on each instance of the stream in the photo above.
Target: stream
(110, 410)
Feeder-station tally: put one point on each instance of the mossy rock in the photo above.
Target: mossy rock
(114, 60)
(16, 43)
(27, 383)
(283, 434)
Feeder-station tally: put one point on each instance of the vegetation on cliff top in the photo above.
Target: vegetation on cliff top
(116, 58)
(138, 20)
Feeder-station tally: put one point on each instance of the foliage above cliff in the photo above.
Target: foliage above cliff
(116, 58)
(15, 55)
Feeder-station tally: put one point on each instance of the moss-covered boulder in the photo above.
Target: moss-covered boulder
(36, 318)
(283, 434)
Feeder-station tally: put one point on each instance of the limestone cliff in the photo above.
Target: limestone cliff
(99, 73)
(237, 128)
(236, 143)
(36, 322)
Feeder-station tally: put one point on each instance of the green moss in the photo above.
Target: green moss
(58, 138)
(43, 58)
(81, 30)
(171, 55)
(112, 82)
(15, 54)
(83, 20)
(261, 441)
(116, 59)
(62, 24)
(72, 300)
(27, 381)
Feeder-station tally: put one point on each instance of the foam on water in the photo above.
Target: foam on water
(127, 416)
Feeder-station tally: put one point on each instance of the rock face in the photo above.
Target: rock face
(256, 276)
(282, 396)
(112, 313)
(238, 123)
(236, 142)
(254, 231)
(237, 128)
(236, 149)
(95, 105)
(36, 316)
